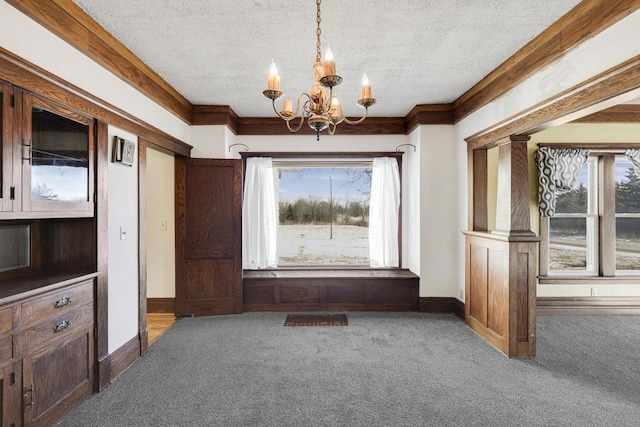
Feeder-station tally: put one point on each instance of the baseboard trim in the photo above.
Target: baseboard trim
(442, 305)
(103, 373)
(161, 305)
(124, 357)
(588, 306)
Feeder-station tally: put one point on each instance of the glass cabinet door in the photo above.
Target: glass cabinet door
(57, 159)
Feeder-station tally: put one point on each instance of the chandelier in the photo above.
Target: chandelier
(322, 110)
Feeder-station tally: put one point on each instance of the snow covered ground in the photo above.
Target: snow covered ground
(311, 244)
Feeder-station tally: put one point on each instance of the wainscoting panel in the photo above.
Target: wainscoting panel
(330, 290)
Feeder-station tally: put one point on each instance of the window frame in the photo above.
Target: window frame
(603, 245)
(324, 157)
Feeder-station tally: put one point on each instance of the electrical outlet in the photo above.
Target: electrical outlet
(123, 233)
(594, 292)
(163, 224)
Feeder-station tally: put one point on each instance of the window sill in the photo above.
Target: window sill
(588, 280)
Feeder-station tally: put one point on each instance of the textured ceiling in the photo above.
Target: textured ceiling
(414, 51)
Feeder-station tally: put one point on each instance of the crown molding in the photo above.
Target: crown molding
(277, 126)
(69, 22)
(623, 113)
(429, 114)
(588, 18)
(215, 115)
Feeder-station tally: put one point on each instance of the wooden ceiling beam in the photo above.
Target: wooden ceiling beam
(588, 18)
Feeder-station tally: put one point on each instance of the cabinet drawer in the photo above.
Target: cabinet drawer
(6, 348)
(56, 304)
(6, 320)
(73, 320)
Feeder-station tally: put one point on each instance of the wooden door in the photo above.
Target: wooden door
(208, 237)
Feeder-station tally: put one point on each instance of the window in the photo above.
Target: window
(596, 228)
(323, 212)
(627, 217)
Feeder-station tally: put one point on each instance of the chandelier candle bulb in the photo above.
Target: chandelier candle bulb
(366, 88)
(274, 78)
(287, 106)
(329, 64)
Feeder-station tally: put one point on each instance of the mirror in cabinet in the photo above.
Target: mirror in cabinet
(57, 159)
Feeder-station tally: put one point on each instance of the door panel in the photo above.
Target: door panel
(208, 236)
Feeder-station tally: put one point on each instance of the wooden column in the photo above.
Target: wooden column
(501, 265)
(512, 210)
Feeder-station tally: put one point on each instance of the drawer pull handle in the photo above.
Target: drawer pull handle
(61, 302)
(61, 326)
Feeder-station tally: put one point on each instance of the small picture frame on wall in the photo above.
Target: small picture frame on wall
(123, 151)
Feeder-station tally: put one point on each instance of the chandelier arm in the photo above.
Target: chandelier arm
(273, 103)
(302, 113)
(297, 128)
(332, 130)
(360, 120)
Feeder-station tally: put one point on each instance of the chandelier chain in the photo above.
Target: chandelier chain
(318, 32)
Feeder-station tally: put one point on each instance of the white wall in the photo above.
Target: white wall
(441, 239)
(411, 226)
(123, 254)
(160, 223)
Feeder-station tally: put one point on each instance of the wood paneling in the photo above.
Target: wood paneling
(478, 215)
(581, 306)
(497, 291)
(161, 305)
(624, 113)
(584, 21)
(69, 22)
(41, 82)
(441, 305)
(477, 292)
(500, 285)
(331, 290)
(565, 107)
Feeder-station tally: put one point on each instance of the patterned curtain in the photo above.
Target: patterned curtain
(558, 171)
(634, 157)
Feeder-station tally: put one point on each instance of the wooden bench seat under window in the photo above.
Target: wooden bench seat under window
(330, 290)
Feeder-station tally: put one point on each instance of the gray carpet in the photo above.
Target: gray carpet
(384, 369)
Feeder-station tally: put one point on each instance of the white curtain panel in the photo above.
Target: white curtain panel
(259, 220)
(384, 207)
(634, 157)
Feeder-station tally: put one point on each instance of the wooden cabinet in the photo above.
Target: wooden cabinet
(47, 158)
(47, 353)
